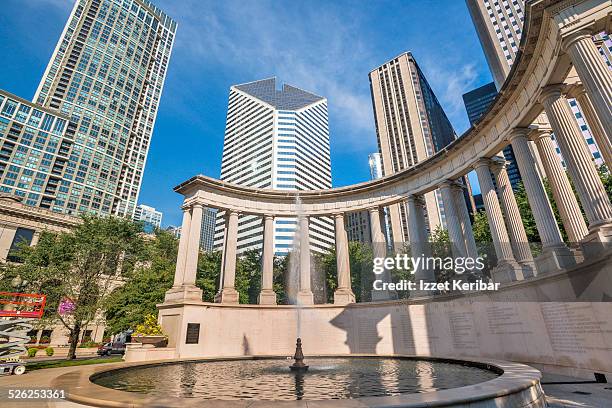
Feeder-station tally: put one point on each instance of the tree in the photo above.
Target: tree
(145, 287)
(77, 270)
(209, 273)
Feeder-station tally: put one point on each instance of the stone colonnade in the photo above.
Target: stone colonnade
(514, 256)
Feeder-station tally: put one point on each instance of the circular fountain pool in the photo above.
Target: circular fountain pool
(271, 379)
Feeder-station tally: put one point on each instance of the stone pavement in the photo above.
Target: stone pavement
(577, 395)
(569, 395)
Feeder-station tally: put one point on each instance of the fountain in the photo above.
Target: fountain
(298, 365)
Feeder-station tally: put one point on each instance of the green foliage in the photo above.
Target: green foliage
(208, 275)
(480, 227)
(145, 286)
(149, 327)
(248, 276)
(360, 256)
(82, 265)
(32, 352)
(49, 351)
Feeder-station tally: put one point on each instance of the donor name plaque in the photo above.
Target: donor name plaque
(193, 333)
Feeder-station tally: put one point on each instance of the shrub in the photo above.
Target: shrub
(49, 351)
(89, 344)
(150, 327)
(45, 340)
(32, 351)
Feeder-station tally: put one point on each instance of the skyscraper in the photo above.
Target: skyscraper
(149, 216)
(410, 126)
(207, 236)
(499, 25)
(477, 102)
(82, 145)
(276, 138)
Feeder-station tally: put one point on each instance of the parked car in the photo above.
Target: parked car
(107, 349)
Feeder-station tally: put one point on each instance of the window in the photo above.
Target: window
(23, 236)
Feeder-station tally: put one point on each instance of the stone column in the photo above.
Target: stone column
(555, 254)
(195, 228)
(304, 296)
(267, 296)
(602, 137)
(379, 250)
(564, 196)
(464, 219)
(418, 241)
(453, 223)
(575, 151)
(187, 258)
(514, 222)
(507, 268)
(228, 293)
(593, 73)
(344, 293)
(182, 248)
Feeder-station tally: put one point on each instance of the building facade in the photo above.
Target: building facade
(410, 126)
(82, 145)
(276, 139)
(207, 236)
(476, 103)
(149, 216)
(499, 25)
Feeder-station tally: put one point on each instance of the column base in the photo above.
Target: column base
(227, 295)
(529, 269)
(184, 292)
(343, 297)
(507, 271)
(554, 259)
(379, 295)
(597, 240)
(305, 297)
(267, 297)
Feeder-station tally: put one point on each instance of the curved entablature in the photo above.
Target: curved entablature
(516, 106)
(558, 59)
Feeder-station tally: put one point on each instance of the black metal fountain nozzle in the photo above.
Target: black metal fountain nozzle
(298, 365)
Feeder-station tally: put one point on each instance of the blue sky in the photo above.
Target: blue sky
(327, 47)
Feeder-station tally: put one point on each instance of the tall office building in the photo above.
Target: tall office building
(82, 145)
(499, 25)
(358, 223)
(149, 216)
(278, 139)
(410, 126)
(477, 102)
(207, 235)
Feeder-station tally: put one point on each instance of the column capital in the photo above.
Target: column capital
(576, 90)
(540, 133)
(572, 38)
(268, 216)
(519, 132)
(338, 215)
(196, 205)
(233, 212)
(374, 209)
(482, 162)
(446, 184)
(497, 163)
(416, 199)
(554, 91)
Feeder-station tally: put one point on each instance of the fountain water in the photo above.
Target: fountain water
(295, 282)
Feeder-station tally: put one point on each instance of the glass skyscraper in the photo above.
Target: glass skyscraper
(82, 145)
(276, 139)
(499, 25)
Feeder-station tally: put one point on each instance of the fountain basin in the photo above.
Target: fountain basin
(180, 383)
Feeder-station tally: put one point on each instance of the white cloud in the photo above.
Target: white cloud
(315, 51)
